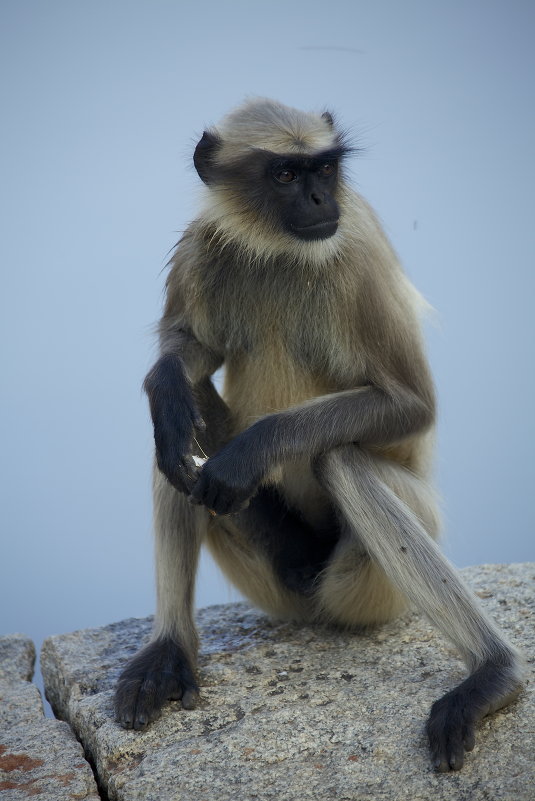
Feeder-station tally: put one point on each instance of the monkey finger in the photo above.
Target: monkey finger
(175, 478)
(196, 498)
(234, 506)
(199, 424)
(189, 473)
(211, 498)
(244, 505)
(194, 502)
(217, 500)
(218, 497)
(203, 491)
(231, 504)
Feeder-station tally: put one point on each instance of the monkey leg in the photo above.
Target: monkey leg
(271, 554)
(374, 500)
(354, 591)
(165, 669)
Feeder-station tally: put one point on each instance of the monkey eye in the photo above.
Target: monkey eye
(327, 169)
(285, 176)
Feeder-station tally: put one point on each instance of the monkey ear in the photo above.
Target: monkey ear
(203, 157)
(328, 117)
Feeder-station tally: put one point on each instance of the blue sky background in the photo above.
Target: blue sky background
(102, 103)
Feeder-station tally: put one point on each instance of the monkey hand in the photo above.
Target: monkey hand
(226, 482)
(175, 418)
(173, 438)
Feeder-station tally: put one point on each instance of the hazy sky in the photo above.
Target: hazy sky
(102, 103)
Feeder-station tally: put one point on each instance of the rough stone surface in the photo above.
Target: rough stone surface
(38, 757)
(294, 713)
(17, 658)
(20, 703)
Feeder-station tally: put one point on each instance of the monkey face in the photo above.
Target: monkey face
(302, 191)
(290, 193)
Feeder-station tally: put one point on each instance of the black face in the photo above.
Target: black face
(295, 193)
(303, 190)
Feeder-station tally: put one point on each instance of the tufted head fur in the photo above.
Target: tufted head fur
(231, 160)
(263, 124)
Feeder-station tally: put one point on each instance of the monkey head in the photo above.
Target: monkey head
(274, 170)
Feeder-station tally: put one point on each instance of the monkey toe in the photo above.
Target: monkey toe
(447, 755)
(469, 738)
(190, 698)
(129, 711)
(139, 703)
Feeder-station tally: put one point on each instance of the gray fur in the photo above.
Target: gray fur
(328, 398)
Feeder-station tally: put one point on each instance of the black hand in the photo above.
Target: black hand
(227, 481)
(173, 455)
(175, 418)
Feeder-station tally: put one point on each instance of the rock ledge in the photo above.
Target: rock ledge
(38, 756)
(294, 713)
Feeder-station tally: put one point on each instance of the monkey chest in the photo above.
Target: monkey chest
(282, 339)
(288, 336)
(277, 356)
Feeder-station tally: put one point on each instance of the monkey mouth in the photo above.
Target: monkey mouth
(321, 230)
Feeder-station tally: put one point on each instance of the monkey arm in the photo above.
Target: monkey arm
(170, 385)
(197, 360)
(368, 415)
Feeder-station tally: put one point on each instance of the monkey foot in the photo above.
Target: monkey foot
(452, 721)
(160, 672)
(451, 731)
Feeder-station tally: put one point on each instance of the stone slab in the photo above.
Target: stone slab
(17, 657)
(295, 713)
(38, 756)
(20, 703)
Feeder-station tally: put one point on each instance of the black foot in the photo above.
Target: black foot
(451, 731)
(160, 672)
(453, 718)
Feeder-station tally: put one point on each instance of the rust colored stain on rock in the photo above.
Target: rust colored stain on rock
(65, 778)
(9, 762)
(29, 787)
(32, 787)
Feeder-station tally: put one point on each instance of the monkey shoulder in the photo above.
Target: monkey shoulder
(339, 323)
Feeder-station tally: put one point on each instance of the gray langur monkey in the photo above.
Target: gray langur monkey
(315, 499)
